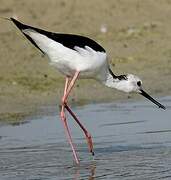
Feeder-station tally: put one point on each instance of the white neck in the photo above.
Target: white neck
(122, 85)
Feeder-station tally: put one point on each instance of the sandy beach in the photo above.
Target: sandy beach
(136, 34)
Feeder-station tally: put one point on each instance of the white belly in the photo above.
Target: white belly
(88, 62)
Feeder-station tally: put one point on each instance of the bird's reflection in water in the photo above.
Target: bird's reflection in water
(90, 174)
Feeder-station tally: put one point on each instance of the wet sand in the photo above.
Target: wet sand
(136, 34)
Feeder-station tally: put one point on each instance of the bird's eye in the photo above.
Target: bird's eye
(139, 83)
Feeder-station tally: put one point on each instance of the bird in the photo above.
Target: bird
(79, 57)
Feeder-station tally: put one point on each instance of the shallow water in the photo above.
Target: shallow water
(132, 141)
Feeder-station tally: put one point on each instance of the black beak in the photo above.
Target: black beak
(143, 93)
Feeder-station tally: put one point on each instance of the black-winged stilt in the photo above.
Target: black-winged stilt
(79, 57)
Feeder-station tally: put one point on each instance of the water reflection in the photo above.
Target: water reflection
(90, 175)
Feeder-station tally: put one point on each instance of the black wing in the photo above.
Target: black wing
(68, 40)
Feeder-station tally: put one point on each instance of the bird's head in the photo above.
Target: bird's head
(130, 83)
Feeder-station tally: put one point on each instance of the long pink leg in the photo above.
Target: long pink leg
(87, 134)
(63, 118)
(70, 86)
(68, 90)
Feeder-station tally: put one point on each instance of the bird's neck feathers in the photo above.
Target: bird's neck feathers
(118, 82)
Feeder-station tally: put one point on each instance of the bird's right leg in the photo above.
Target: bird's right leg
(66, 128)
(87, 134)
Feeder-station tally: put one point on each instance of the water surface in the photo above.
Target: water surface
(132, 141)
